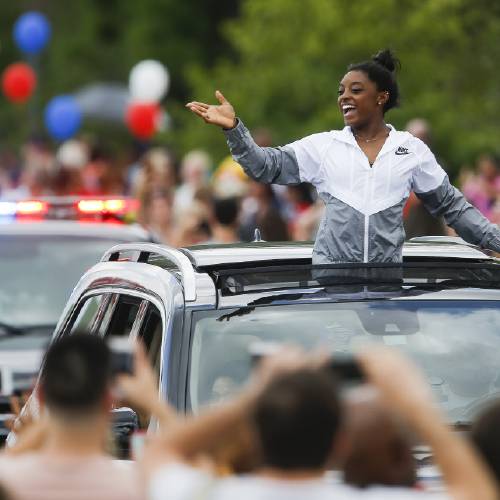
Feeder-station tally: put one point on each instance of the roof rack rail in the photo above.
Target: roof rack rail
(145, 250)
(454, 240)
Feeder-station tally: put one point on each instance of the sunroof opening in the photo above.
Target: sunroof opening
(250, 280)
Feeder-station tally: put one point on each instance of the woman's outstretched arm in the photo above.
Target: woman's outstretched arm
(441, 198)
(459, 214)
(269, 165)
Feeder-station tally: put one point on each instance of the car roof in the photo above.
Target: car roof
(204, 268)
(127, 233)
(202, 256)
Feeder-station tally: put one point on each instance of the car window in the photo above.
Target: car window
(124, 316)
(86, 314)
(29, 294)
(106, 314)
(454, 342)
(151, 333)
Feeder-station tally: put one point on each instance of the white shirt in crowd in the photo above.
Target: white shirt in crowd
(37, 476)
(182, 482)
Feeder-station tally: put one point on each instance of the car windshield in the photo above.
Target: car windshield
(456, 343)
(38, 273)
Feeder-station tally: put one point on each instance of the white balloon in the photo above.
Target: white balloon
(148, 81)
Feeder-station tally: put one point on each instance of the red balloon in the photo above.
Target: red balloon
(18, 82)
(142, 119)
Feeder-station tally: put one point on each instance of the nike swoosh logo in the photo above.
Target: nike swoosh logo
(402, 151)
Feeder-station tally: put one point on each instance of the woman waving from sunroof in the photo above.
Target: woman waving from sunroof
(364, 173)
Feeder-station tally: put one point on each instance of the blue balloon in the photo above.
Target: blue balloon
(32, 32)
(63, 117)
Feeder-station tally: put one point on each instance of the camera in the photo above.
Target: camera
(346, 369)
(343, 367)
(261, 349)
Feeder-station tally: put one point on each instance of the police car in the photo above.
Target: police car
(45, 247)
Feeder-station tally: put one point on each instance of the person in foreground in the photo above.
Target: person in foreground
(293, 407)
(373, 430)
(70, 462)
(364, 173)
(485, 435)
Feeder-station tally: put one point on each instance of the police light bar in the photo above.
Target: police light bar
(70, 207)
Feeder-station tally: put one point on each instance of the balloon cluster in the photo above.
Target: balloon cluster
(148, 84)
(31, 34)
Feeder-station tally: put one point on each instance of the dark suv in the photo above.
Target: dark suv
(199, 309)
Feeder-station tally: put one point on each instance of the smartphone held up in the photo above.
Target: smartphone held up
(122, 355)
(344, 367)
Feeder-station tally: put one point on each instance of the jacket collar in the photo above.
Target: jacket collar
(395, 139)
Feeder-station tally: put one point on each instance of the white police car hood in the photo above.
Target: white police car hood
(18, 369)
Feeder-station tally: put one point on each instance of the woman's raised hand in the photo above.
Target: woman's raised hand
(222, 115)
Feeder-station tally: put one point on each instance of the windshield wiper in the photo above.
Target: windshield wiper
(258, 302)
(7, 330)
(239, 312)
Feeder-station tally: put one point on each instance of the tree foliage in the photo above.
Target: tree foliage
(100, 40)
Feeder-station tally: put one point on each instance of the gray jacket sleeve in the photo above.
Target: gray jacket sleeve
(267, 165)
(466, 220)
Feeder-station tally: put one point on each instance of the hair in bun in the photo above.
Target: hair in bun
(381, 70)
(387, 59)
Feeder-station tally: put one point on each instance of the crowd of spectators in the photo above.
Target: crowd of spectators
(182, 202)
(293, 432)
(481, 186)
(195, 198)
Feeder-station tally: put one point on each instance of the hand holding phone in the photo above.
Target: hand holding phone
(122, 355)
(346, 369)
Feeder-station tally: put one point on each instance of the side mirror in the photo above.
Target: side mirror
(124, 422)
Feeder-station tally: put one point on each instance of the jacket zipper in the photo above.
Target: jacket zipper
(365, 240)
(369, 197)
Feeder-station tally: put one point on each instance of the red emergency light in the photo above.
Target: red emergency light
(95, 207)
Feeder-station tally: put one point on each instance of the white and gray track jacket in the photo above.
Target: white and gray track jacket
(363, 220)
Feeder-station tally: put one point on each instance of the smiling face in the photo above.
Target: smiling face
(358, 99)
